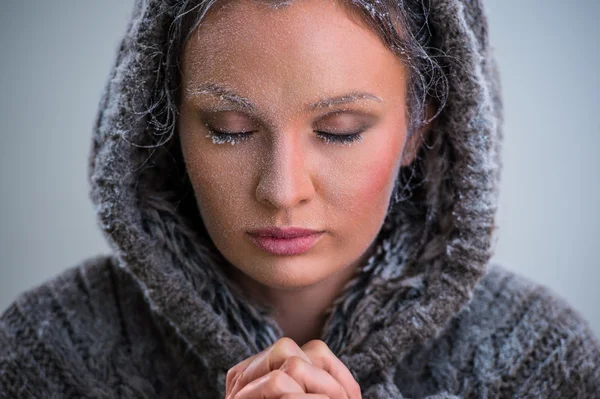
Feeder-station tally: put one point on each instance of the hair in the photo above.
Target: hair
(403, 27)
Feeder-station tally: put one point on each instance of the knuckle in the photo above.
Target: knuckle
(277, 380)
(294, 365)
(318, 346)
(319, 352)
(287, 346)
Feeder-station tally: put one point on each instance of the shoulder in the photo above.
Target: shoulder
(514, 339)
(85, 296)
(505, 299)
(53, 337)
(535, 339)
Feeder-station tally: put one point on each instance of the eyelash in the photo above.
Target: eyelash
(219, 137)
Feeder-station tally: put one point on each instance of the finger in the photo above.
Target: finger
(303, 396)
(270, 386)
(263, 363)
(321, 356)
(234, 373)
(313, 379)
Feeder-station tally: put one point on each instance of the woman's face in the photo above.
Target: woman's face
(310, 107)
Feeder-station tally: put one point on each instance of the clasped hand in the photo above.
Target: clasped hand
(286, 371)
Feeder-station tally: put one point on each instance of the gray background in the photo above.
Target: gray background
(56, 56)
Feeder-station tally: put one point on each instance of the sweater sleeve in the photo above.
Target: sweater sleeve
(389, 390)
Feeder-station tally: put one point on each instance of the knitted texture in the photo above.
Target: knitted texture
(90, 333)
(426, 316)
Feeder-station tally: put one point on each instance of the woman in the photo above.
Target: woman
(300, 196)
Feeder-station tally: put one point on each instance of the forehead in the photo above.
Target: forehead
(295, 51)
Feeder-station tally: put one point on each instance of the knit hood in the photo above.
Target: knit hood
(432, 250)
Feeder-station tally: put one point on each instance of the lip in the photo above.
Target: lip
(285, 241)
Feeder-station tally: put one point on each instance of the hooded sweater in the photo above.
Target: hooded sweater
(427, 316)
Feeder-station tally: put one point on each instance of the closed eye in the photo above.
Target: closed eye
(221, 137)
(339, 138)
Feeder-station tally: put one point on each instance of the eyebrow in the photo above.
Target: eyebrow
(228, 95)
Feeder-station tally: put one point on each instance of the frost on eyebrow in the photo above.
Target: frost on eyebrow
(344, 99)
(275, 4)
(223, 93)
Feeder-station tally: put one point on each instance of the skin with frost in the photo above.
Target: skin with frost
(267, 74)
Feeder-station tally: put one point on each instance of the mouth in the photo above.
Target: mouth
(285, 241)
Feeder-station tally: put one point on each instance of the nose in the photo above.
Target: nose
(285, 179)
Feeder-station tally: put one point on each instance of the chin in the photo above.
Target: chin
(289, 274)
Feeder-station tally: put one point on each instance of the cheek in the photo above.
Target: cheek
(378, 178)
(213, 179)
(369, 176)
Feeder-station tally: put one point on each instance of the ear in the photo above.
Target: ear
(411, 148)
(413, 142)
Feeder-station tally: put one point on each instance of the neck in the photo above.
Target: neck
(300, 313)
